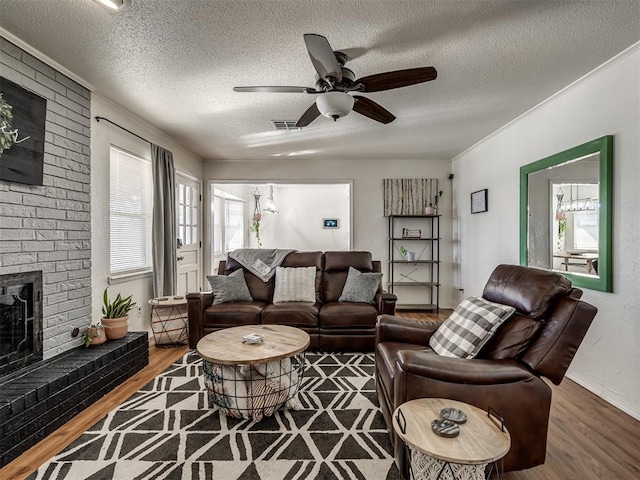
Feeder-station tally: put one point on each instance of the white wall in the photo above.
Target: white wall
(299, 223)
(103, 135)
(369, 226)
(606, 102)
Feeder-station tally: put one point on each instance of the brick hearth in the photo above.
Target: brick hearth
(48, 394)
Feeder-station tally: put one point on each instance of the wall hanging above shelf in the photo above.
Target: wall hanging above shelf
(411, 196)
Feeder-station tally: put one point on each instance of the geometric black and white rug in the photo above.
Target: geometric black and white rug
(166, 431)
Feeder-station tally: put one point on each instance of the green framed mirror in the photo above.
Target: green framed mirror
(566, 205)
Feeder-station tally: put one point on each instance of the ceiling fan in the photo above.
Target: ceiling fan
(335, 82)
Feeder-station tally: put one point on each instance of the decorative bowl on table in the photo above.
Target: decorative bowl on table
(453, 414)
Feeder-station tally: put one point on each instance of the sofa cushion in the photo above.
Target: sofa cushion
(343, 260)
(469, 327)
(308, 259)
(233, 314)
(512, 338)
(295, 284)
(229, 288)
(348, 315)
(336, 268)
(294, 314)
(360, 287)
(260, 291)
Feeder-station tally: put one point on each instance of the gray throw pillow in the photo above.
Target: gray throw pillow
(360, 287)
(229, 288)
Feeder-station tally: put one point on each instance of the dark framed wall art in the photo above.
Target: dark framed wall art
(480, 201)
(22, 126)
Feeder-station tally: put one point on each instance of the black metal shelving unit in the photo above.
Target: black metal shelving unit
(428, 261)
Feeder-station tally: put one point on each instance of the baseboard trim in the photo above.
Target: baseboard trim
(596, 390)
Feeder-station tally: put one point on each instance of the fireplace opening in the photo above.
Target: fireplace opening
(20, 321)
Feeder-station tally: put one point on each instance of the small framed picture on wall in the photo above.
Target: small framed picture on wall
(480, 201)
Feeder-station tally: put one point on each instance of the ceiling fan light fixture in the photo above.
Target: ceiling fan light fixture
(113, 4)
(334, 104)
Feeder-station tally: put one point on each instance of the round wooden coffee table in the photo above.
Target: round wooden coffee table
(253, 380)
(482, 440)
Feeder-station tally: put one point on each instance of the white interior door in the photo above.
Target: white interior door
(189, 243)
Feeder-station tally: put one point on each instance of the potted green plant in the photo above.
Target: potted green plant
(255, 228)
(432, 208)
(410, 256)
(94, 335)
(116, 315)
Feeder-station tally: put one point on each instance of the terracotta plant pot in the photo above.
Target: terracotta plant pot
(95, 338)
(116, 327)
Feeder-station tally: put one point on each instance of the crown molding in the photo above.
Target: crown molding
(596, 71)
(44, 58)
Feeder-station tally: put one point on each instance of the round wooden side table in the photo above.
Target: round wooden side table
(253, 380)
(483, 441)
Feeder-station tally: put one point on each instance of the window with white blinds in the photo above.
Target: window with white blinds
(130, 213)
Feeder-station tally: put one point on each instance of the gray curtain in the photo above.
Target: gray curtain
(164, 222)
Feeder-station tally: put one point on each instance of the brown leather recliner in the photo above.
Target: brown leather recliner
(540, 340)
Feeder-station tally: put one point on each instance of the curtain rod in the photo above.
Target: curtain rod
(121, 127)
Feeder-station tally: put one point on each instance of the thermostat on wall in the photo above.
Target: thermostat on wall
(329, 223)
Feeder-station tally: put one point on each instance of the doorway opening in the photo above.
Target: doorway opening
(313, 216)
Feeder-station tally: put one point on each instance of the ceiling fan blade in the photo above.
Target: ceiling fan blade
(371, 109)
(276, 89)
(309, 116)
(322, 57)
(397, 79)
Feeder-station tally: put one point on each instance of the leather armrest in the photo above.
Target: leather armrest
(403, 330)
(205, 297)
(196, 304)
(462, 371)
(386, 303)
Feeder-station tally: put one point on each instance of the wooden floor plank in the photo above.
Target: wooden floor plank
(30, 461)
(589, 439)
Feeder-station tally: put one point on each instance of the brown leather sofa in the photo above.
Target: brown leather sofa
(540, 340)
(332, 325)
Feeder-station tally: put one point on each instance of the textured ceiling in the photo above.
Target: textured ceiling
(175, 62)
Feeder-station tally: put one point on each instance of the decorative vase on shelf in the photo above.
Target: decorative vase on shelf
(430, 210)
(411, 256)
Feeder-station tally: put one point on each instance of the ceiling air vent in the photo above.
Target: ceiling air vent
(285, 124)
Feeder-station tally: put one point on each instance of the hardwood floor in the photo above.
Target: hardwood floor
(432, 317)
(28, 462)
(588, 438)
